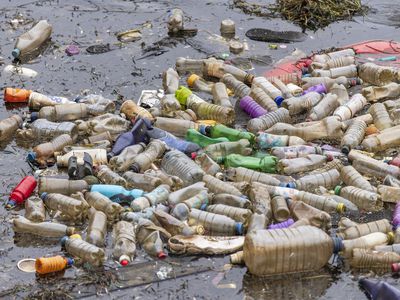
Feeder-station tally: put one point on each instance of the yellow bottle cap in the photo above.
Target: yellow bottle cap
(75, 236)
(192, 78)
(390, 237)
(229, 91)
(200, 230)
(341, 208)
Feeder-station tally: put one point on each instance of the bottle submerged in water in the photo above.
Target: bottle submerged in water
(72, 208)
(43, 229)
(9, 126)
(35, 210)
(77, 247)
(44, 129)
(41, 153)
(61, 112)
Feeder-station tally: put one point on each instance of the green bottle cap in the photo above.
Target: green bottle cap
(182, 94)
(337, 190)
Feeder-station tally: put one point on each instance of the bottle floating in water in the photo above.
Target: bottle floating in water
(360, 230)
(143, 160)
(77, 247)
(244, 174)
(195, 82)
(267, 140)
(117, 193)
(150, 236)
(157, 196)
(104, 204)
(34, 209)
(373, 260)
(46, 265)
(266, 121)
(44, 229)
(71, 207)
(231, 134)
(61, 112)
(380, 115)
(43, 152)
(236, 213)
(323, 58)
(60, 185)
(220, 70)
(196, 66)
(124, 242)
(261, 201)
(175, 21)
(21, 192)
(281, 225)
(107, 176)
(97, 228)
(131, 110)
(170, 81)
(43, 129)
(220, 95)
(182, 210)
(369, 201)
(9, 126)
(173, 225)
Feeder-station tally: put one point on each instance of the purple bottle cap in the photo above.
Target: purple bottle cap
(72, 50)
(281, 225)
(319, 88)
(396, 216)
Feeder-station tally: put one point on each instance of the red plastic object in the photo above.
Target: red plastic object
(22, 191)
(395, 161)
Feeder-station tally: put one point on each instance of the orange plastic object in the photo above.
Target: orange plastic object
(371, 129)
(45, 265)
(16, 95)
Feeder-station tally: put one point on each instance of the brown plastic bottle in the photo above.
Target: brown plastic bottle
(208, 165)
(44, 151)
(333, 164)
(263, 99)
(297, 105)
(351, 177)
(149, 237)
(62, 186)
(62, 112)
(376, 75)
(368, 241)
(104, 204)
(244, 174)
(322, 58)
(320, 202)
(236, 213)
(286, 93)
(373, 260)
(68, 206)
(353, 136)
(261, 201)
(170, 81)
(231, 200)
(173, 225)
(131, 110)
(367, 118)
(124, 160)
(309, 183)
(350, 108)
(334, 63)
(347, 71)
(44, 229)
(156, 196)
(381, 116)
(289, 250)
(341, 92)
(185, 193)
(318, 218)
(177, 127)
(107, 176)
(376, 93)
(220, 95)
(77, 247)
(238, 87)
(268, 120)
(379, 142)
(324, 107)
(219, 69)
(9, 126)
(143, 160)
(388, 248)
(34, 209)
(237, 258)
(145, 182)
(217, 186)
(257, 221)
(343, 224)
(363, 199)
(301, 164)
(389, 193)
(97, 228)
(196, 66)
(280, 209)
(360, 230)
(124, 242)
(220, 150)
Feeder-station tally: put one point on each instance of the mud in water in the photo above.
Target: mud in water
(122, 72)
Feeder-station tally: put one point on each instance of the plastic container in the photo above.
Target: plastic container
(46, 265)
(375, 93)
(301, 164)
(363, 199)
(195, 82)
(149, 237)
(353, 136)
(73, 208)
(181, 210)
(61, 112)
(376, 75)
(12, 95)
(34, 209)
(60, 185)
(314, 216)
(289, 250)
(268, 120)
(104, 204)
(43, 229)
(32, 39)
(220, 94)
(124, 242)
(323, 58)
(319, 88)
(309, 183)
(351, 177)
(261, 202)
(363, 229)
(280, 209)
(99, 157)
(96, 104)
(125, 159)
(267, 140)
(107, 176)
(334, 63)
(236, 213)
(227, 28)
(116, 192)
(208, 165)
(380, 289)
(175, 226)
(170, 81)
(175, 20)
(267, 164)
(97, 228)
(219, 69)
(263, 99)
(368, 241)
(347, 71)
(373, 260)
(44, 129)
(244, 174)
(296, 151)
(268, 88)
(381, 141)
(143, 182)
(352, 107)
(187, 65)
(37, 100)
(21, 192)
(230, 200)
(297, 105)
(202, 140)
(324, 107)
(231, 134)
(217, 186)
(131, 110)
(328, 82)
(177, 127)
(41, 153)
(9, 126)
(380, 115)
(252, 108)
(341, 92)
(79, 248)
(155, 197)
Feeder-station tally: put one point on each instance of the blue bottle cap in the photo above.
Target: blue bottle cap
(203, 207)
(283, 184)
(11, 204)
(278, 100)
(202, 129)
(70, 261)
(31, 156)
(337, 244)
(239, 228)
(63, 240)
(291, 185)
(244, 197)
(16, 52)
(43, 196)
(34, 116)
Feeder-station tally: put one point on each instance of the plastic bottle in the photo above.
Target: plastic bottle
(252, 108)
(360, 230)
(173, 225)
(319, 88)
(218, 152)
(77, 247)
(124, 160)
(175, 21)
(231, 134)
(236, 213)
(351, 177)
(149, 237)
(173, 181)
(71, 207)
(347, 71)
(195, 82)
(60, 185)
(353, 106)
(297, 105)
(157, 196)
(309, 183)
(286, 93)
(170, 81)
(143, 160)
(145, 182)
(132, 111)
(334, 63)
(112, 123)
(268, 88)
(266, 164)
(96, 104)
(104, 204)
(178, 164)
(261, 204)
(227, 28)
(32, 39)
(215, 224)
(262, 98)
(238, 87)
(285, 224)
(208, 165)
(381, 116)
(375, 93)
(219, 70)
(353, 136)
(97, 228)
(362, 198)
(289, 250)
(389, 193)
(301, 164)
(116, 192)
(280, 209)
(391, 181)
(21, 192)
(61, 112)
(46, 265)
(187, 65)
(341, 92)
(185, 193)
(345, 223)
(124, 242)
(43, 152)
(328, 82)
(218, 186)
(202, 140)
(9, 126)
(373, 260)
(244, 174)
(268, 120)
(230, 200)
(220, 94)
(368, 241)
(294, 151)
(380, 289)
(333, 164)
(315, 217)
(268, 141)
(44, 229)
(322, 58)
(181, 210)
(294, 89)
(376, 75)
(324, 107)
(12, 95)
(323, 203)
(378, 142)
(34, 209)
(107, 176)
(44, 129)
(37, 100)
(177, 127)
(204, 110)
(99, 156)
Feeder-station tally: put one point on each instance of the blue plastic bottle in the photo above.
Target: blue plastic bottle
(117, 193)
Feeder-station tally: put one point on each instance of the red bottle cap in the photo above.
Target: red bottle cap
(395, 267)
(161, 255)
(124, 262)
(193, 155)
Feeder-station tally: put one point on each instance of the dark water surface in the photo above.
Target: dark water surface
(123, 72)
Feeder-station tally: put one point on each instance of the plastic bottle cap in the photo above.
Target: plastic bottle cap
(161, 255)
(75, 236)
(200, 230)
(11, 204)
(182, 94)
(16, 52)
(31, 156)
(63, 240)
(337, 244)
(239, 228)
(110, 155)
(291, 185)
(346, 149)
(193, 155)
(124, 260)
(278, 100)
(341, 208)
(390, 237)
(72, 50)
(203, 207)
(34, 116)
(192, 78)
(43, 195)
(202, 129)
(236, 47)
(395, 267)
(337, 190)
(70, 261)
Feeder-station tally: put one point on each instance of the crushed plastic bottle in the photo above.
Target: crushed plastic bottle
(35, 210)
(9, 126)
(124, 242)
(97, 228)
(77, 247)
(43, 229)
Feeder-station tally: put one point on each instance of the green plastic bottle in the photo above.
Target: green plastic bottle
(231, 134)
(202, 140)
(266, 164)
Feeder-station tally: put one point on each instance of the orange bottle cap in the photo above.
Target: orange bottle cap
(16, 95)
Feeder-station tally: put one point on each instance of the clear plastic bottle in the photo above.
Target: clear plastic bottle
(297, 105)
(324, 107)
(289, 250)
(363, 199)
(388, 248)
(44, 129)
(144, 182)
(280, 209)
(373, 260)
(268, 120)
(334, 63)
(99, 157)
(158, 195)
(107, 176)
(268, 88)
(182, 210)
(196, 66)
(294, 151)
(351, 177)
(175, 21)
(345, 223)
(353, 136)
(215, 224)
(41, 153)
(375, 93)
(322, 58)
(347, 71)
(379, 142)
(321, 202)
(218, 186)
(257, 221)
(173, 181)
(244, 174)
(60, 185)
(38, 100)
(333, 164)
(170, 81)
(177, 127)
(349, 109)
(97, 228)
(97, 105)
(376, 75)
(32, 39)
(68, 206)
(104, 204)
(286, 93)
(328, 82)
(61, 112)
(124, 242)
(368, 241)
(219, 69)
(124, 160)
(315, 217)
(112, 123)
(208, 165)
(380, 115)
(389, 193)
(219, 151)
(236, 213)
(149, 237)
(301, 164)
(173, 225)
(267, 140)
(238, 87)
(341, 92)
(131, 111)
(231, 200)
(77, 247)
(196, 83)
(185, 193)
(34, 209)
(261, 201)
(44, 229)
(263, 99)
(9, 126)
(309, 183)
(360, 230)
(143, 160)
(178, 164)
(220, 95)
